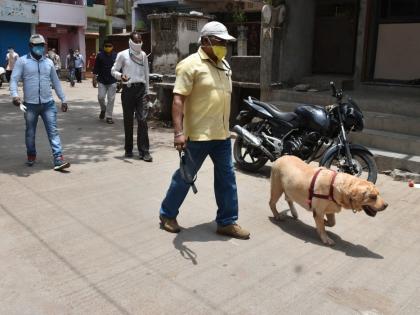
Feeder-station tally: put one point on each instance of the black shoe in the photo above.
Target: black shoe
(128, 154)
(31, 160)
(146, 157)
(102, 114)
(109, 121)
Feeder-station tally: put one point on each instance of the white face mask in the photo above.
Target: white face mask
(134, 46)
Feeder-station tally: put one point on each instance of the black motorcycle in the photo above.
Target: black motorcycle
(311, 133)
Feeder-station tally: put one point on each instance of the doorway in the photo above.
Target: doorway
(53, 43)
(335, 34)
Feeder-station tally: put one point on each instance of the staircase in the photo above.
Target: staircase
(392, 121)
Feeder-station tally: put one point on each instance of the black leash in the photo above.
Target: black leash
(185, 161)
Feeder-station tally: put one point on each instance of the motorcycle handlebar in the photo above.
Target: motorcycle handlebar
(339, 94)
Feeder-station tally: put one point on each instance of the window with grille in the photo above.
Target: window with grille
(192, 25)
(166, 24)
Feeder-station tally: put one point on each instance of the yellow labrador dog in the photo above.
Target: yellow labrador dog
(322, 191)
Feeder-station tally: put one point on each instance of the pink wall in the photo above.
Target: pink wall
(69, 37)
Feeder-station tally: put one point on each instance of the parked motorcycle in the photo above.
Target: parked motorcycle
(2, 76)
(311, 132)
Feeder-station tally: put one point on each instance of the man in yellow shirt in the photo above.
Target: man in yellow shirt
(200, 113)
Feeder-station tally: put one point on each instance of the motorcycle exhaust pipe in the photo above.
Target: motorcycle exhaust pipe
(248, 137)
(252, 140)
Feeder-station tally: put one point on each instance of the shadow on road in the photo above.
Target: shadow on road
(263, 172)
(205, 232)
(85, 138)
(308, 233)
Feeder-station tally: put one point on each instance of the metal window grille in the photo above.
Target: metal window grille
(192, 25)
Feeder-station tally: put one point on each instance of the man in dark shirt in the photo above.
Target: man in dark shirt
(107, 84)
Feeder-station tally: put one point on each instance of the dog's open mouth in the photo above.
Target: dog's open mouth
(369, 211)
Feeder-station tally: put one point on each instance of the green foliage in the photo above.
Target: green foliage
(239, 16)
(140, 25)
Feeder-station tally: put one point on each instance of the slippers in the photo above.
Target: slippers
(109, 121)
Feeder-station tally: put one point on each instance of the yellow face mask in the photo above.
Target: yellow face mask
(107, 49)
(219, 51)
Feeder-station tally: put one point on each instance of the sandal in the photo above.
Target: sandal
(109, 121)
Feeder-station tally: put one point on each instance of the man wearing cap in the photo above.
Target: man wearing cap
(200, 113)
(38, 74)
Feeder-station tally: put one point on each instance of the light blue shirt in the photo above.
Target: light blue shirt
(37, 77)
(79, 61)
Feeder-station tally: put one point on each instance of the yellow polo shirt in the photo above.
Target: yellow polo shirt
(208, 88)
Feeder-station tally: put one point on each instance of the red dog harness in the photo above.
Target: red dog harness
(312, 193)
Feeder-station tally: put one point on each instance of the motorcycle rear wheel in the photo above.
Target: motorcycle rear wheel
(365, 164)
(248, 158)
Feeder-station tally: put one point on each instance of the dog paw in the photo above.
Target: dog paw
(328, 241)
(280, 217)
(328, 223)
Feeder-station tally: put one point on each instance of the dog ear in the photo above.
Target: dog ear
(359, 196)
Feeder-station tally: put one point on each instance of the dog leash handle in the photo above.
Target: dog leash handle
(186, 177)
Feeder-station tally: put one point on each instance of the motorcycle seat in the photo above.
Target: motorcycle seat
(275, 112)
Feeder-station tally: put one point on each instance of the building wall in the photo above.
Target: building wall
(60, 13)
(398, 52)
(68, 37)
(295, 54)
(245, 68)
(187, 37)
(164, 47)
(169, 46)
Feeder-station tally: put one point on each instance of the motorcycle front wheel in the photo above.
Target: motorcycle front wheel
(365, 166)
(247, 157)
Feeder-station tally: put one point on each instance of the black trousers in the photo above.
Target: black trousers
(8, 75)
(133, 102)
(78, 74)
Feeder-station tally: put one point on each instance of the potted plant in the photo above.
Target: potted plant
(239, 17)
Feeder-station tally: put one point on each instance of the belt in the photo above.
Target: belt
(129, 85)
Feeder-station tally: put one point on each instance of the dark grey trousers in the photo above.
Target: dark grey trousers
(133, 102)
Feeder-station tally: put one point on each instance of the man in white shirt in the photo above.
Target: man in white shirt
(11, 59)
(131, 66)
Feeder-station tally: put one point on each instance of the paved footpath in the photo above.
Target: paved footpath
(88, 241)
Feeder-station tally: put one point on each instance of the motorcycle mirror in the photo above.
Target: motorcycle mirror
(334, 90)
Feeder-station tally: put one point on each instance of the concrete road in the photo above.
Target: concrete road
(88, 241)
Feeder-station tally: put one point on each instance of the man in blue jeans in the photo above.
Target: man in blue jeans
(38, 73)
(200, 113)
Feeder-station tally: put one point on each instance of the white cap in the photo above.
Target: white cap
(37, 39)
(216, 29)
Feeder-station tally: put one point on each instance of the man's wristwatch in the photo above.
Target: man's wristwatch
(178, 134)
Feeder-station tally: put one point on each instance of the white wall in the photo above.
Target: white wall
(60, 13)
(185, 37)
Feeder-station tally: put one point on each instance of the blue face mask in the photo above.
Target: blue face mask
(38, 50)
